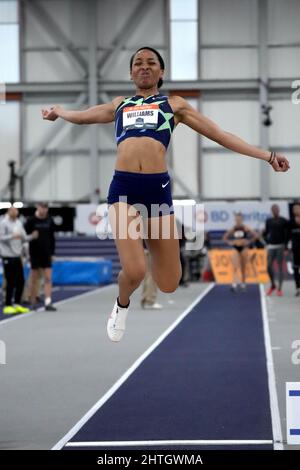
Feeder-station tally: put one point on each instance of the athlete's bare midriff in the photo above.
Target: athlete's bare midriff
(141, 155)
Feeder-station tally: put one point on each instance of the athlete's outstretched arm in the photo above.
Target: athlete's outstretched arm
(253, 233)
(226, 236)
(203, 125)
(99, 114)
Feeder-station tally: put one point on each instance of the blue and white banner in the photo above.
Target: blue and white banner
(220, 215)
(217, 215)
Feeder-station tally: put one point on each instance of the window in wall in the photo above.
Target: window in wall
(9, 41)
(184, 39)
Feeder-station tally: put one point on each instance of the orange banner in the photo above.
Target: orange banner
(256, 267)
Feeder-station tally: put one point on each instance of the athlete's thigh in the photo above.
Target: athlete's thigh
(244, 256)
(127, 232)
(235, 258)
(164, 247)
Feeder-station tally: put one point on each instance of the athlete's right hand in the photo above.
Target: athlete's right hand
(51, 114)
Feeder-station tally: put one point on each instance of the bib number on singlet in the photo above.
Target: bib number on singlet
(238, 234)
(140, 117)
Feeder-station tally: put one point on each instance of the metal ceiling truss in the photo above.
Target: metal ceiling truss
(58, 36)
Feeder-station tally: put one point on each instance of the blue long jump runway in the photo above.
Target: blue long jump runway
(205, 384)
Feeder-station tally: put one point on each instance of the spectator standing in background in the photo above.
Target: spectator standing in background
(12, 238)
(149, 287)
(295, 238)
(276, 236)
(41, 252)
(238, 238)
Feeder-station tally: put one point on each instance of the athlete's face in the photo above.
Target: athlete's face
(146, 70)
(238, 220)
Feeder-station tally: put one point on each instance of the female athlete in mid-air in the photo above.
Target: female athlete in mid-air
(144, 124)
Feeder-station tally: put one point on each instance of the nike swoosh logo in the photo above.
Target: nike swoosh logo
(164, 185)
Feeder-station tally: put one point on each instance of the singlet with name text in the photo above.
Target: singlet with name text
(239, 232)
(145, 117)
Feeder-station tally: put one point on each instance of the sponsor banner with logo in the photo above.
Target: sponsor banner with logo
(220, 215)
(256, 267)
(88, 216)
(215, 215)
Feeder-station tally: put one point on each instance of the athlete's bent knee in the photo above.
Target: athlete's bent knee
(168, 286)
(135, 276)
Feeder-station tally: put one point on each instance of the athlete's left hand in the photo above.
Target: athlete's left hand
(51, 114)
(280, 163)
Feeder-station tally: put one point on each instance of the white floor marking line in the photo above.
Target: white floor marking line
(126, 374)
(227, 442)
(275, 416)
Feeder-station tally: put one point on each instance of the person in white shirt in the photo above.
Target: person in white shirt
(12, 238)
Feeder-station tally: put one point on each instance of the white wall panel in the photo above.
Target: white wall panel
(226, 174)
(38, 183)
(284, 131)
(284, 17)
(228, 21)
(285, 62)
(72, 177)
(228, 64)
(58, 178)
(36, 128)
(185, 155)
(106, 137)
(229, 176)
(49, 66)
(287, 184)
(283, 21)
(9, 138)
(106, 168)
(238, 117)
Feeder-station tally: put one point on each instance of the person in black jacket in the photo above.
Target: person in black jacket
(276, 234)
(295, 238)
(41, 252)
